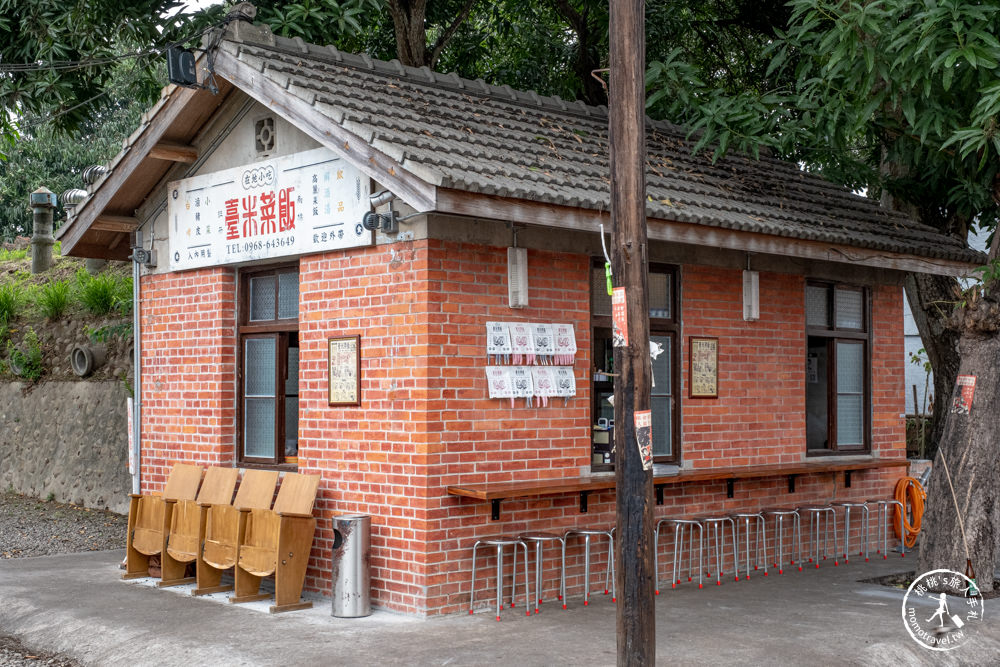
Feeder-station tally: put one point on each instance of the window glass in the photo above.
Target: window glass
(850, 367)
(661, 407)
(659, 295)
(288, 295)
(259, 361)
(817, 310)
(850, 393)
(262, 295)
(661, 366)
(848, 309)
(601, 300)
(258, 425)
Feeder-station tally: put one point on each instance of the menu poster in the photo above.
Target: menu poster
(501, 381)
(644, 437)
(965, 389)
(565, 382)
(565, 344)
(619, 318)
(345, 370)
(704, 367)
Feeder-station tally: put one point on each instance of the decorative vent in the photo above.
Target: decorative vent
(264, 136)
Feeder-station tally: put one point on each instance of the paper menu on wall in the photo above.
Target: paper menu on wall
(497, 339)
(523, 386)
(565, 344)
(521, 342)
(565, 381)
(501, 381)
(544, 379)
(542, 340)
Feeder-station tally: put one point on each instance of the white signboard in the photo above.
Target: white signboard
(302, 203)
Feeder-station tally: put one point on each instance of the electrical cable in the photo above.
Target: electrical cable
(909, 490)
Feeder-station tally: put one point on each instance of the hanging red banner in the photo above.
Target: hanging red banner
(619, 318)
(965, 389)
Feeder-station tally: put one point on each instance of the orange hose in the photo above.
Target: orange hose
(909, 489)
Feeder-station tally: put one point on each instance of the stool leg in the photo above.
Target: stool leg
(701, 552)
(656, 558)
(797, 524)
(527, 591)
(472, 587)
(500, 580)
(538, 574)
(562, 574)
(675, 573)
(762, 534)
(736, 560)
(611, 561)
(718, 554)
(867, 515)
(781, 543)
(847, 534)
(586, 570)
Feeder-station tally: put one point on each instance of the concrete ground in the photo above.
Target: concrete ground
(76, 604)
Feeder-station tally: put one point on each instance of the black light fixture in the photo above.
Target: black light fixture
(180, 67)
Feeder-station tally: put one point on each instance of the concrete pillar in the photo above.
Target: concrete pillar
(43, 202)
(95, 265)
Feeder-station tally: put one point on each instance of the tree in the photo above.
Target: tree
(900, 97)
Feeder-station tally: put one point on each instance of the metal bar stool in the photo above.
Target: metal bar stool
(718, 523)
(760, 540)
(609, 572)
(779, 514)
(848, 506)
(499, 542)
(883, 510)
(539, 540)
(679, 526)
(816, 514)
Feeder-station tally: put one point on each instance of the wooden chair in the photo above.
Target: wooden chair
(149, 518)
(220, 545)
(187, 525)
(278, 542)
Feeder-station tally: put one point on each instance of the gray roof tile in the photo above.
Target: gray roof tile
(472, 136)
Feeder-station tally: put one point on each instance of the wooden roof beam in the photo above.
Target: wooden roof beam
(115, 223)
(174, 152)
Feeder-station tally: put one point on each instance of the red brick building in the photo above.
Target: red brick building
(252, 200)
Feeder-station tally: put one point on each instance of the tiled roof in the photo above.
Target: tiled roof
(470, 136)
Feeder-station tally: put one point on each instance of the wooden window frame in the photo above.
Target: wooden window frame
(282, 331)
(834, 334)
(659, 326)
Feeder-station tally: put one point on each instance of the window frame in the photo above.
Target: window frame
(659, 326)
(833, 334)
(282, 331)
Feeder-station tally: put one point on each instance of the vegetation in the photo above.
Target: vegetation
(25, 360)
(104, 293)
(11, 299)
(53, 298)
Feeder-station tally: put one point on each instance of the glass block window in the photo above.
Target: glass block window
(263, 292)
(659, 295)
(849, 308)
(817, 306)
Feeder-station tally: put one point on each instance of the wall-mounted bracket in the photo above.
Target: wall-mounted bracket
(730, 487)
(495, 504)
(791, 483)
(583, 501)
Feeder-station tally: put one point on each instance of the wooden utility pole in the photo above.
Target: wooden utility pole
(634, 546)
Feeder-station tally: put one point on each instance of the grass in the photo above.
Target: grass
(8, 255)
(104, 293)
(53, 299)
(12, 296)
(26, 360)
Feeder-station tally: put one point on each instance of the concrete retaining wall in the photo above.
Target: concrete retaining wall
(66, 438)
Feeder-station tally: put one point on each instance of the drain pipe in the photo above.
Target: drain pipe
(136, 368)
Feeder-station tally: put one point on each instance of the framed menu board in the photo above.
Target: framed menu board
(703, 363)
(345, 370)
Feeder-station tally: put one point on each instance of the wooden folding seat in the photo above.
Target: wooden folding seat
(278, 542)
(187, 525)
(220, 545)
(149, 518)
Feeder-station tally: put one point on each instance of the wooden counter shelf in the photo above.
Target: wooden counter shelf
(495, 492)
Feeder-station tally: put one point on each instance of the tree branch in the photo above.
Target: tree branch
(449, 32)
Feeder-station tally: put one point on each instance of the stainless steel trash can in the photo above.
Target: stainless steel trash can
(351, 565)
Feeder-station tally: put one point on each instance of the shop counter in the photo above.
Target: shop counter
(495, 492)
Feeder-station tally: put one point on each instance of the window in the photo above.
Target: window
(837, 368)
(268, 378)
(664, 330)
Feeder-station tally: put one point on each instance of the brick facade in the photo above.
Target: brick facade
(425, 421)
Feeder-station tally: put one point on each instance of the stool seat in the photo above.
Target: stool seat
(779, 510)
(589, 531)
(498, 541)
(540, 536)
(815, 508)
(849, 503)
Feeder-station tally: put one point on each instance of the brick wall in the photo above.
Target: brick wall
(425, 421)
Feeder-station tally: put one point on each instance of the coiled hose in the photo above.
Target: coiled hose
(909, 490)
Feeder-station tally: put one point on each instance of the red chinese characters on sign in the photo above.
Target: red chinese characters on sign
(644, 437)
(258, 214)
(286, 210)
(619, 318)
(965, 389)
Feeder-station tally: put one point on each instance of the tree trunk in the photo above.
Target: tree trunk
(931, 300)
(969, 447)
(411, 39)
